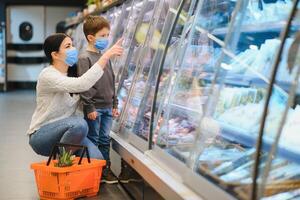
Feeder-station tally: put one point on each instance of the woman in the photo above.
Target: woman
(54, 118)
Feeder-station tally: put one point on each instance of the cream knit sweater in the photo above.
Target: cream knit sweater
(53, 101)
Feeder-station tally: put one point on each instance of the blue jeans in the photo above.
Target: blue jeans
(99, 130)
(71, 130)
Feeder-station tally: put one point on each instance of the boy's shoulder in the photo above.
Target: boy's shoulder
(83, 55)
(88, 54)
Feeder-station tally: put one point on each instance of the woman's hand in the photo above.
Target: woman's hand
(115, 50)
(92, 115)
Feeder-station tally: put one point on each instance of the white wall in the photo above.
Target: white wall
(43, 20)
(19, 14)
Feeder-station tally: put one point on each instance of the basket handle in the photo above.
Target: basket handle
(55, 151)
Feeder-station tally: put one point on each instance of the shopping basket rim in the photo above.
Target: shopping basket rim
(84, 165)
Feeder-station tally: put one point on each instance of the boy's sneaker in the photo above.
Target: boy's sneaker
(109, 177)
(127, 176)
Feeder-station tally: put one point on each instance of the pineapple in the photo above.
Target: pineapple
(65, 158)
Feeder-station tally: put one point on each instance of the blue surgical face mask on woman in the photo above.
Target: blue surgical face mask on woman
(71, 57)
(101, 44)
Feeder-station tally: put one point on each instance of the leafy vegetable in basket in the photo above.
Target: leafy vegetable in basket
(65, 159)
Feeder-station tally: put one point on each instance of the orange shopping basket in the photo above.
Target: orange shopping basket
(78, 180)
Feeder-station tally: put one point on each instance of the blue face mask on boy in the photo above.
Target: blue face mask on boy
(101, 44)
(71, 57)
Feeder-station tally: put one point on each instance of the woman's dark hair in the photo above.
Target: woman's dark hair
(52, 44)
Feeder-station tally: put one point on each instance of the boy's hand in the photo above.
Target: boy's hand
(115, 50)
(92, 115)
(115, 113)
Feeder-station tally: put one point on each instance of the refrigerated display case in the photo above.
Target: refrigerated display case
(242, 122)
(212, 117)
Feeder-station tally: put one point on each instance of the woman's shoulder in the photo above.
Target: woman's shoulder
(46, 75)
(49, 70)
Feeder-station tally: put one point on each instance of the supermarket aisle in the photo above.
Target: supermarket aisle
(16, 179)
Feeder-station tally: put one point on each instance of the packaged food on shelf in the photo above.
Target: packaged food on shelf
(231, 165)
(178, 131)
(258, 11)
(290, 131)
(215, 155)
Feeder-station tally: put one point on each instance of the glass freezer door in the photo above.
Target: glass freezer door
(121, 65)
(228, 132)
(129, 69)
(278, 175)
(142, 90)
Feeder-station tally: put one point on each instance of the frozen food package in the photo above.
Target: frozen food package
(229, 166)
(215, 153)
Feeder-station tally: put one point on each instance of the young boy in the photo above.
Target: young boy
(100, 102)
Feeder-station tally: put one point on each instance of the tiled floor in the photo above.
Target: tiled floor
(16, 179)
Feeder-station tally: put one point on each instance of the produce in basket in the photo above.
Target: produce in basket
(65, 159)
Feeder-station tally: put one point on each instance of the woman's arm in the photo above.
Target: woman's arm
(53, 81)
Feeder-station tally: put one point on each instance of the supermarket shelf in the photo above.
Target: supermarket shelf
(249, 139)
(97, 12)
(257, 28)
(234, 80)
(250, 28)
(184, 108)
(241, 80)
(257, 73)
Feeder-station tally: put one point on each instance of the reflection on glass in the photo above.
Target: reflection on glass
(119, 19)
(128, 36)
(178, 126)
(148, 69)
(129, 73)
(128, 70)
(142, 124)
